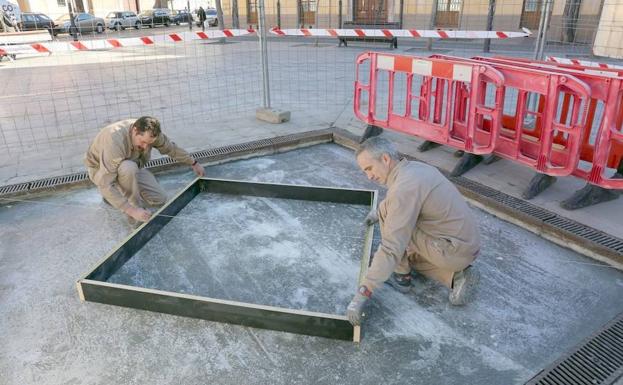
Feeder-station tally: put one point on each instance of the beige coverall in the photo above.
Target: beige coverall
(425, 224)
(115, 166)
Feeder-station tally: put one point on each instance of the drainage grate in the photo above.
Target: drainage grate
(57, 181)
(206, 155)
(598, 360)
(14, 188)
(585, 236)
(586, 232)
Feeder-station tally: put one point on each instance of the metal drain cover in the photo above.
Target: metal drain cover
(598, 360)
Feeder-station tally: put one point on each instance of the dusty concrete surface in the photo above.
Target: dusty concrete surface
(536, 301)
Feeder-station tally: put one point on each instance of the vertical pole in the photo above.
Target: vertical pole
(264, 51)
(548, 10)
(339, 21)
(234, 14)
(433, 20)
(190, 17)
(537, 42)
(73, 31)
(538, 52)
(219, 17)
(487, 46)
(402, 12)
(279, 14)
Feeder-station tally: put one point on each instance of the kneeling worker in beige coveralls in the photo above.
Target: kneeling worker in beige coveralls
(426, 227)
(115, 163)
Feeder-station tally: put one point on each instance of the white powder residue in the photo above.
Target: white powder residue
(410, 319)
(286, 252)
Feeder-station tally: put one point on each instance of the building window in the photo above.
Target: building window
(449, 6)
(61, 3)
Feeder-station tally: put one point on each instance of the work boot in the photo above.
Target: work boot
(400, 282)
(464, 285)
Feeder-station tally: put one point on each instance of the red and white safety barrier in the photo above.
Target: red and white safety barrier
(585, 63)
(88, 45)
(410, 33)
(445, 69)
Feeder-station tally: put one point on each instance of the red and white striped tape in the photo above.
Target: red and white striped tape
(425, 67)
(411, 33)
(584, 63)
(88, 45)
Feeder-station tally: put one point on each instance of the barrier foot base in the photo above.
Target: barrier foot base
(466, 163)
(589, 195)
(370, 131)
(538, 184)
(458, 153)
(272, 115)
(427, 145)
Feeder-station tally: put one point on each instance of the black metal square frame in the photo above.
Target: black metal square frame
(94, 287)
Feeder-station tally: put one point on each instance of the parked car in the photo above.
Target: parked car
(211, 18)
(85, 22)
(155, 17)
(122, 19)
(38, 21)
(181, 17)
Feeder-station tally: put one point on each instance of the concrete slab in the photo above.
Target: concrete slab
(536, 301)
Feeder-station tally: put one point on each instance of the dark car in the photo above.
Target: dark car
(38, 21)
(83, 22)
(182, 17)
(155, 17)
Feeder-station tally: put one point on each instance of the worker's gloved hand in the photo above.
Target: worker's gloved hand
(198, 169)
(138, 214)
(354, 311)
(371, 218)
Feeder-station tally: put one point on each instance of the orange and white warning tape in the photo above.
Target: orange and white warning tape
(585, 63)
(411, 33)
(425, 67)
(88, 45)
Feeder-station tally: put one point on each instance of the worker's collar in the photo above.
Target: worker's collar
(393, 174)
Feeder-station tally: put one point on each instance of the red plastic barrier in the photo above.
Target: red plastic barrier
(451, 106)
(535, 146)
(606, 86)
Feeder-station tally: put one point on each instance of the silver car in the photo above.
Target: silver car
(84, 23)
(122, 19)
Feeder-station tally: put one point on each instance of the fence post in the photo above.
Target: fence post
(433, 20)
(490, 15)
(339, 21)
(266, 113)
(234, 14)
(279, 14)
(190, 16)
(539, 46)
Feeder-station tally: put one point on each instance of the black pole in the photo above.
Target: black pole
(190, 16)
(490, 15)
(433, 21)
(402, 12)
(339, 22)
(279, 14)
(72, 23)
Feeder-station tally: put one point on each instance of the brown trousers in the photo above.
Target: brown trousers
(138, 185)
(434, 258)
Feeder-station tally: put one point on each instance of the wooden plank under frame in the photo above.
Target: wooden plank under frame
(93, 286)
